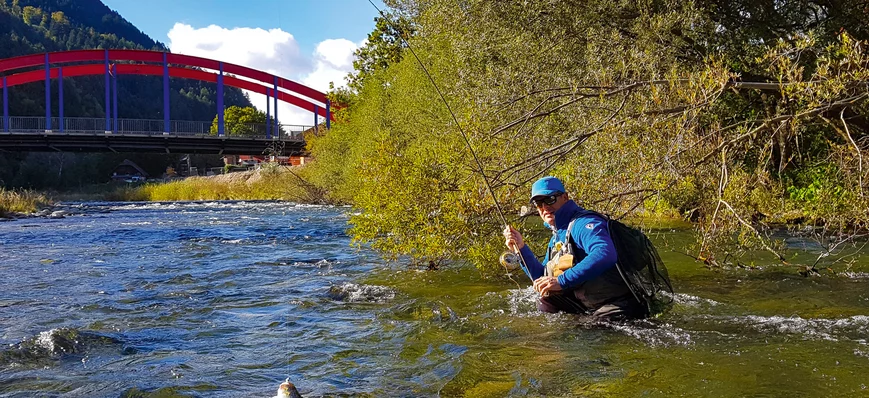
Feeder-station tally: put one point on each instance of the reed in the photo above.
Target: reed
(21, 201)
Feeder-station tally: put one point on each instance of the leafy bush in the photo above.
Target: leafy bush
(640, 108)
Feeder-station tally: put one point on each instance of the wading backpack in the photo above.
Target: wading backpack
(640, 266)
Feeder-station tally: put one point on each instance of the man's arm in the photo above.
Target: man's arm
(592, 236)
(535, 268)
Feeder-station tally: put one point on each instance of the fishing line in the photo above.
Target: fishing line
(289, 292)
(461, 131)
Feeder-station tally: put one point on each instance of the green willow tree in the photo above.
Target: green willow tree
(385, 45)
(643, 108)
(243, 121)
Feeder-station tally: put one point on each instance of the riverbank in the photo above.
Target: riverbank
(266, 183)
(271, 182)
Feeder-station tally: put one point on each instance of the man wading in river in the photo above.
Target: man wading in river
(580, 273)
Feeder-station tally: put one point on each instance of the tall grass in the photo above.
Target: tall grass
(23, 201)
(270, 183)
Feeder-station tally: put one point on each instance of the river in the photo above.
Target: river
(227, 299)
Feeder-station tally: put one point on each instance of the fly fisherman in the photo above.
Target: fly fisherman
(579, 273)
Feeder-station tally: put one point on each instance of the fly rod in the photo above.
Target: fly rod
(459, 126)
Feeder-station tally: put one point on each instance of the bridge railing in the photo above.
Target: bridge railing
(139, 126)
(83, 125)
(188, 127)
(25, 124)
(293, 132)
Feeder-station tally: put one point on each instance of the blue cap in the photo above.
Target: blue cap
(546, 186)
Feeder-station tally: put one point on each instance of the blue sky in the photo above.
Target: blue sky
(308, 41)
(310, 21)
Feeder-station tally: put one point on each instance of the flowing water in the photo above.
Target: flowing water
(227, 299)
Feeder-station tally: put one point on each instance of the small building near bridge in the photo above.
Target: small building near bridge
(129, 171)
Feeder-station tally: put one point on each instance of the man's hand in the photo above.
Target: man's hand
(546, 285)
(513, 239)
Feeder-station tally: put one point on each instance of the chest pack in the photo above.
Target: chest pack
(561, 256)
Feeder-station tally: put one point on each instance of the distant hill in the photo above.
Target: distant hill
(67, 24)
(35, 26)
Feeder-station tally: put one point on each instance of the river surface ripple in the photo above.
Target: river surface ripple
(226, 299)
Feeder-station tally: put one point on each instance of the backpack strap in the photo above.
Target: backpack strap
(567, 241)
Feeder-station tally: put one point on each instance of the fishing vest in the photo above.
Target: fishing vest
(595, 293)
(560, 254)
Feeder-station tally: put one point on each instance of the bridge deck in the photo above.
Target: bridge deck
(91, 142)
(87, 135)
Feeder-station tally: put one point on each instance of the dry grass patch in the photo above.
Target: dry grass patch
(23, 201)
(267, 183)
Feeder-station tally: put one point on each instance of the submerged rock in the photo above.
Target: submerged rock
(351, 292)
(54, 344)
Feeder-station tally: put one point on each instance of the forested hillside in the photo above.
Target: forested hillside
(34, 26)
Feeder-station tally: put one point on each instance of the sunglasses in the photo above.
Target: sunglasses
(545, 200)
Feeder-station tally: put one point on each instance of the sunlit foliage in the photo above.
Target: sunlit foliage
(643, 108)
(21, 201)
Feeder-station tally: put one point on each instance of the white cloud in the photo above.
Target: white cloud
(333, 61)
(274, 51)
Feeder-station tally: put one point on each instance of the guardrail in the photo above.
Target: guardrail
(80, 125)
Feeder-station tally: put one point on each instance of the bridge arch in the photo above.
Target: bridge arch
(155, 63)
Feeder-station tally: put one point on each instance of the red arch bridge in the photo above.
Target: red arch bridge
(74, 134)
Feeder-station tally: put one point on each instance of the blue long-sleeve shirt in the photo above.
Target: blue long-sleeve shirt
(596, 253)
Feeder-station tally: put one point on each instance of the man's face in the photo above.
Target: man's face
(547, 211)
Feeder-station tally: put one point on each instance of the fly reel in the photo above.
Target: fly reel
(510, 261)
